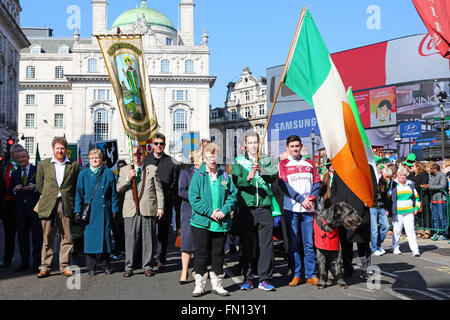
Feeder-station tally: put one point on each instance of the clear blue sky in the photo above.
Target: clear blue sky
(251, 33)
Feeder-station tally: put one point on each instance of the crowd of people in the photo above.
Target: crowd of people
(130, 214)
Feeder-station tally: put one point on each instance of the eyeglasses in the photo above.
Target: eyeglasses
(158, 143)
(137, 153)
(96, 158)
(211, 158)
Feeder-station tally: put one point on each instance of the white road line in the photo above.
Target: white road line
(436, 290)
(396, 294)
(421, 292)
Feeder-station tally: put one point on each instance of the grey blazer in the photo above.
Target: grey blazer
(152, 197)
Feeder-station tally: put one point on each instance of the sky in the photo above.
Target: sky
(248, 33)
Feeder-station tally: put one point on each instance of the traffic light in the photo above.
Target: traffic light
(9, 144)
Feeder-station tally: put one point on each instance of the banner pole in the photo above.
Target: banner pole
(299, 24)
(134, 184)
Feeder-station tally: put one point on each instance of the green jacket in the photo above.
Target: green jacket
(200, 197)
(250, 193)
(48, 187)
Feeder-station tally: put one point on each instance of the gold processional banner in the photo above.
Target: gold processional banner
(124, 60)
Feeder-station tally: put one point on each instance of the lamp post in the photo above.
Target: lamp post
(398, 139)
(313, 137)
(442, 98)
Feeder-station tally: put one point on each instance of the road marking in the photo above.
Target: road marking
(421, 292)
(438, 291)
(396, 294)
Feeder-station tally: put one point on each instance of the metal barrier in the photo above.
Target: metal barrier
(424, 218)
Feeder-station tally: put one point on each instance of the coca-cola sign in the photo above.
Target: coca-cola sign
(427, 46)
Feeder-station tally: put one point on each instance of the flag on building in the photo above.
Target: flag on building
(80, 160)
(435, 15)
(124, 60)
(38, 156)
(311, 73)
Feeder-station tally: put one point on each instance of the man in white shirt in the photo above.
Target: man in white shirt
(56, 182)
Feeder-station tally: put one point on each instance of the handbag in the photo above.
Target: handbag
(86, 209)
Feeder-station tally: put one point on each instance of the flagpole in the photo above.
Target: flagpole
(299, 24)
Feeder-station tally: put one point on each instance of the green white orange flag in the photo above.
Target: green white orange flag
(367, 146)
(311, 73)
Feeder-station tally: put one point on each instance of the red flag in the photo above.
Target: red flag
(435, 15)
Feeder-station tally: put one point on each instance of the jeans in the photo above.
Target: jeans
(439, 213)
(296, 222)
(378, 217)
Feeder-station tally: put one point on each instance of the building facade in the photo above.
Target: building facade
(65, 87)
(12, 40)
(245, 109)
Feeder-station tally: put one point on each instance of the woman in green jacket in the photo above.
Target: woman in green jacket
(212, 196)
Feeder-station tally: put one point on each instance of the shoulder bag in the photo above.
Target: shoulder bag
(86, 210)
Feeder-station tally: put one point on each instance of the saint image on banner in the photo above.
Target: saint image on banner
(130, 85)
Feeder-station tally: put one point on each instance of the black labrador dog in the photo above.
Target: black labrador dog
(326, 240)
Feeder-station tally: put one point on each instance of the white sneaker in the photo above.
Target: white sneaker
(397, 251)
(382, 251)
(378, 253)
(416, 254)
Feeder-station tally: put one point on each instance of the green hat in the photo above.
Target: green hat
(410, 159)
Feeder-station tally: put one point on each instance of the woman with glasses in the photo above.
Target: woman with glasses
(213, 196)
(104, 206)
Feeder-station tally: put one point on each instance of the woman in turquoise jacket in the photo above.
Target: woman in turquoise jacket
(212, 196)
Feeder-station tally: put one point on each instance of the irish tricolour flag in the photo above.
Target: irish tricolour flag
(311, 73)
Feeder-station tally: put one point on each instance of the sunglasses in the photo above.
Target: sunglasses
(158, 143)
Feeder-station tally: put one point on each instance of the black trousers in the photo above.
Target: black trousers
(27, 220)
(163, 231)
(364, 251)
(256, 232)
(118, 230)
(209, 246)
(94, 258)
(9, 226)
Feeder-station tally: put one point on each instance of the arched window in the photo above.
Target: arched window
(92, 65)
(101, 125)
(59, 72)
(165, 66)
(189, 66)
(180, 125)
(31, 72)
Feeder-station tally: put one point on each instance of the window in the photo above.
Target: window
(233, 114)
(59, 99)
(29, 144)
(92, 65)
(59, 120)
(29, 120)
(35, 49)
(213, 138)
(63, 50)
(262, 110)
(189, 66)
(165, 66)
(101, 125)
(180, 95)
(179, 126)
(248, 112)
(247, 95)
(168, 41)
(31, 72)
(101, 94)
(59, 72)
(30, 99)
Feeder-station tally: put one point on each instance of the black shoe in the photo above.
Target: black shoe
(21, 268)
(109, 271)
(91, 273)
(5, 264)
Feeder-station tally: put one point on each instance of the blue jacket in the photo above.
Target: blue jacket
(105, 202)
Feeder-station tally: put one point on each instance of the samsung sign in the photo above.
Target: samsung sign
(299, 123)
(411, 129)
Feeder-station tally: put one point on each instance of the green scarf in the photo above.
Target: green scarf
(247, 165)
(95, 170)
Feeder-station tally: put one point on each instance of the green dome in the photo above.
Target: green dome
(153, 17)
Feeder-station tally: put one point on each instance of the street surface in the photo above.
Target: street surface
(401, 277)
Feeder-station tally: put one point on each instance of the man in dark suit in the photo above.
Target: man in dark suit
(56, 181)
(23, 187)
